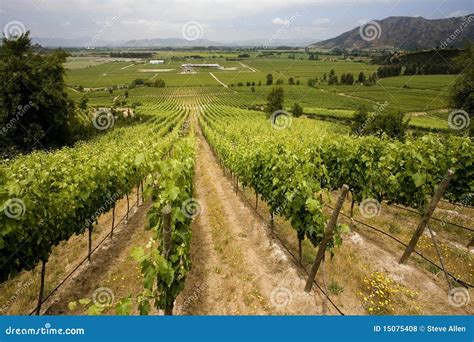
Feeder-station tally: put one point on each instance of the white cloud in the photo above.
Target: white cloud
(458, 14)
(320, 21)
(279, 21)
(222, 19)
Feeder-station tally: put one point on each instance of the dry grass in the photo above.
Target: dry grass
(19, 295)
(350, 268)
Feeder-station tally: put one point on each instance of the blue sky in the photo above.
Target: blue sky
(219, 20)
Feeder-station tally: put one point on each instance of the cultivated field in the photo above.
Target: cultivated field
(248, 200)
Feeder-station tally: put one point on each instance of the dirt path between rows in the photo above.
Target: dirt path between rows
(218, 80)
(237, 267)
(90, 276)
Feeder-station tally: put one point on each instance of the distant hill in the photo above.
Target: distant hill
(170, 42)
(292, 42)
(157, 42)
(72, 42)
(405, 33)
(166, 42)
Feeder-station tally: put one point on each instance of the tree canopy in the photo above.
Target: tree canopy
(35, 111)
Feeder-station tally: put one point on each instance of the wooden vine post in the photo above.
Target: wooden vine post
(138, 194)
(167, 243)
(327, 238)
(113, 222)
(41, 290)
(271, 221)
(90, 243)
(128, 206)
(300, 249)
(426, 216)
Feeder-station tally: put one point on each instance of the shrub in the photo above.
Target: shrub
(297, 110)
(275, 100)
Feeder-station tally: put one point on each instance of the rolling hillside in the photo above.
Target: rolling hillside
(406, 33)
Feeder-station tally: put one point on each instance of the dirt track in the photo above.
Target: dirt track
(237, 267)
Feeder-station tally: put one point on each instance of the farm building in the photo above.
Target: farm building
(188, 67)
(157, 61)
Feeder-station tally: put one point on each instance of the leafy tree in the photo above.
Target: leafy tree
(126, 94)
(360, 120)
(269, 79)
(349, 79)
(297, 110)
(138, 82)
(313, 82)
(279, 81)
(389, 71)
(462, 92)
(332, 80)
(361, 78)
(275, 100)
(410, 69)
(372, 80)
(291, 81)
(159, 83)
(83, 103)
(392, 124)
(35, 110)
(343, 79)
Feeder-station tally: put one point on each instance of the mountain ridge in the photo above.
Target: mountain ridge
(405, 33)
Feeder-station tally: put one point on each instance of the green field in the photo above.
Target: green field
(424, 97)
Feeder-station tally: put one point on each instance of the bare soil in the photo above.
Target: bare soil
(238, 268)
